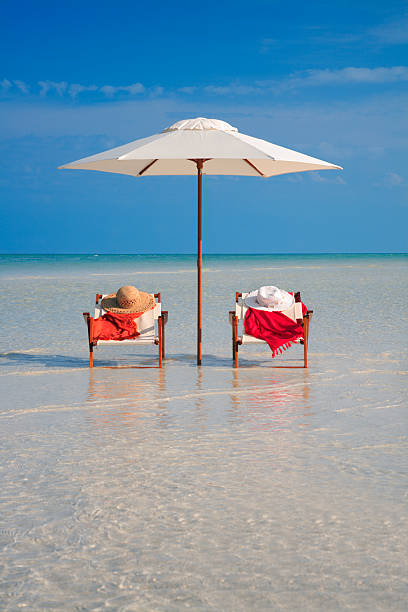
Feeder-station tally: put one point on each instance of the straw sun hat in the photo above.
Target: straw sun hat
(128, 299)
(269, 298)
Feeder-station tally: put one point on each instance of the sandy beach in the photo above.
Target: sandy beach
(204, 488)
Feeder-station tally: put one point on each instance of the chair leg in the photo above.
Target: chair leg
(235, 341)
(236, 356)
(163, 341)
(90, 335)
(160, 340)
(305, 341)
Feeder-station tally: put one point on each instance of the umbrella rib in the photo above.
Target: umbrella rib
(147, 167)
(254, 167)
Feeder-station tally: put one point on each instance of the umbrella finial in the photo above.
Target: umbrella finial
(201, 123)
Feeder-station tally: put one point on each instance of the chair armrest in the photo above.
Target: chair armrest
(309, 314)
(165, 316)
(298, 310)
(86, 316)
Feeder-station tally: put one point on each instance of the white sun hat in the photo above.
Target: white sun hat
(269, 298)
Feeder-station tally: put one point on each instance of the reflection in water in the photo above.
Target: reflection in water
(266, 401)
(126, 397)
(201, 410)
(271, 403)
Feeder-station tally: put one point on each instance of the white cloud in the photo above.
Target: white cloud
(76, 88)
(5, 84)
(47, 86)
(343, 76)
(309, 78)
(158, 90)
(318, 178)
(23, 87)
(395, 32)
(337, 39)
(392, 33)
(393, 179)
(110, 90)
(232, 89)
(135, 88)
(354, 75)
(187, 90)
(294, 178)
(62, 87)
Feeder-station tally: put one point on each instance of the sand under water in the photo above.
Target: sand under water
(205, 488)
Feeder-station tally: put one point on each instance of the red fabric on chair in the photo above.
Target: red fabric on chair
(114, 326)
(278, 330)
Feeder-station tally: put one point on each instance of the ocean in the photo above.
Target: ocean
(210, 488)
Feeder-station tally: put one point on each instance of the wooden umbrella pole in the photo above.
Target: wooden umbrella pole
(199, 255)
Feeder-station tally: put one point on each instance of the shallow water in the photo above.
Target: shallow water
(204, 488)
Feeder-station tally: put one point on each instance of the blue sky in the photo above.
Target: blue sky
(327, 79)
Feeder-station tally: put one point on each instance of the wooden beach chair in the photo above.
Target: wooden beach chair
(237, 315)
(150, 324)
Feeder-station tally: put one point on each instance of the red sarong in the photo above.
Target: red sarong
(278, 330)
(115, 326)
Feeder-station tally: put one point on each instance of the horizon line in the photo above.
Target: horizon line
(217, 254)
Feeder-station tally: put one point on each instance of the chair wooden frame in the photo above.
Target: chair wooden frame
(239, 314)
(161, 316)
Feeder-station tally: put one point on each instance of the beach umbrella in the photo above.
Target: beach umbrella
(200, 146)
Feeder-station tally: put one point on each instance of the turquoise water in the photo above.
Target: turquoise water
(204, 488)
(93, 263)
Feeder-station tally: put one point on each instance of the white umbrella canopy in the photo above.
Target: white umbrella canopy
(225, 150)
(196, 147)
